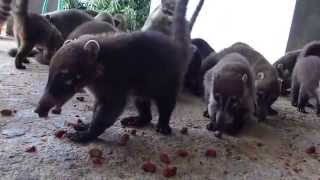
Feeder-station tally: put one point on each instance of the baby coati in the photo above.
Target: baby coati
(193, 79)
(266, 77)
(105, 16)
(306, 77)
(285, 66)
(33, 30)
(229, 94)
(147, 65)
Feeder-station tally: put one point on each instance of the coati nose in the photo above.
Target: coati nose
(46, 102)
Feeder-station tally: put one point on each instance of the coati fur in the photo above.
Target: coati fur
(229, 94)
(105, 16)
(148, 65)
(284, 67)
(5, 8)
(306, 77)
(266, 77)
(33, 30)
(194, 78)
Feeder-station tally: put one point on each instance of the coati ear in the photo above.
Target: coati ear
(260, 76)
(279, 66)
(48, 17)
(92, 47)
(67, 42)
(244, 78)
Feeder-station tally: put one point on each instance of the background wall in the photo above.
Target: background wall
(265, 25)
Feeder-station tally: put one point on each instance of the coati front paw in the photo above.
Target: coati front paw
(295, 104)
(80, 136)
(206, 114)
(272, 112)
(211, 126)
(164, 129)
(135, 121)
(302, 109)
(26, 61)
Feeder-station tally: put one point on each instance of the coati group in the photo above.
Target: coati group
(237, 83)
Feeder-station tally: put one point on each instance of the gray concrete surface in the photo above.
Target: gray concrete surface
(271, 150)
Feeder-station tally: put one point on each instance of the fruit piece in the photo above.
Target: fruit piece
(60, 133)
(149, 167)
(169, 171)
(311, 150)
(184, 131)
(164, 158)
(95, 153)
(6, 112)
(124, 139)
(182, 153)
(211, 153)
(31, 149)
(97, 161)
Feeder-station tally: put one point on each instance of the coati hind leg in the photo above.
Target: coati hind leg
(23, 52)
(302, 100)
(144, 109)
(165, 107)
(104, 116)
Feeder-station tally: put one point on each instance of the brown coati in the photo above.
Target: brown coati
(120, 22)
(306, 77)
(105, 16)
(229, 94)
(285, 66)
(147, 65)
(33, 30)
(266, 77)
(194, 78)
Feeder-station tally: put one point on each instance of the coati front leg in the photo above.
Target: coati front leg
(165, 107)
(295, 87)
(302, 100)
(144, 117)
(23, 52)
(104, 116)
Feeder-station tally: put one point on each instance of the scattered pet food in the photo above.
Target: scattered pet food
(95, 153)
(80, 98)
(149, 167)
(60, 134)
(169, 171)
(184, 131)
(6, 112)
(164, 158)
(182, 153)
(211, 153)
(311, 150)
(31, 149)
(124, 139)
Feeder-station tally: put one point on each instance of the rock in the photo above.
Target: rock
(31, 149)
(211, 153)
(13, 132)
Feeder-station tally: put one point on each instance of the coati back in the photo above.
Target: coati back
(266, 77)
(306, 77)
(229, 93)
(33, 30)
(148, 64)
(284, 67)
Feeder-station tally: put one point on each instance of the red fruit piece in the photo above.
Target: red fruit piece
(169, 171)
(124, 139)
(31, 149)
(60, 133)
(97, 161)
(164, 158)
(6, 112)
(95, 153)
(311, 150)
(149, 167)
(182, 153)
(211, 153)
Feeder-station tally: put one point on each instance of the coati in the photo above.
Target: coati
(193, 79)
(306, 77)
(92, 13)
(266, 77)
(105, 16)
(33, 30)
(148, 65)
(285, 66)
(229, 93)
(5, 8)
(120, 22)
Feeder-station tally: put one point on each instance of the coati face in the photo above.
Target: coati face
(168, 6)
(226, 101)
(72, 67)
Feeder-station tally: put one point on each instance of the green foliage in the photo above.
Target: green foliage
(136, 11)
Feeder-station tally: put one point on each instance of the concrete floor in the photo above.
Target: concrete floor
(271, 150)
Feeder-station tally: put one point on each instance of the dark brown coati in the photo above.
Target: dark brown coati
(148, 65)
(285, 66)
(120, 22)
(306, 77)
(229, 94)
(266, 77)
(33, 30)
(193, 79)
(105, 16)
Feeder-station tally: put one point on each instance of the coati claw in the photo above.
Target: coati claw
(206, 114)
(166, 130)
(134, 121)
(80, 136)
(302, 110)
